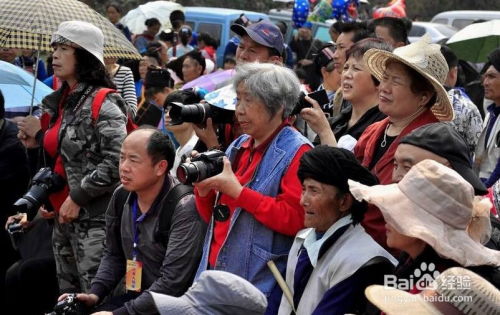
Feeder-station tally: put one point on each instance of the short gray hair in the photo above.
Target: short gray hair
(276, 86)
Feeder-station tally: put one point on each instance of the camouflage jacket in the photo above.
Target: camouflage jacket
(90, 150)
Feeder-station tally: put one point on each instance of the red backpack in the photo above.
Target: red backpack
(96, 108)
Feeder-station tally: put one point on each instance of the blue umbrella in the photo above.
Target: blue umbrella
(17, 88)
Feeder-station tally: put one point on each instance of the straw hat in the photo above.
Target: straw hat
(455, 289)
(436, 205)
(426, 59)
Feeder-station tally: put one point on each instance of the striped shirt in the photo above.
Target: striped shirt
(124, 81)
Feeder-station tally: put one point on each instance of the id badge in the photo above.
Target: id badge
(134, 275)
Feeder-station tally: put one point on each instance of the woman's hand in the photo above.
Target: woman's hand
(22, 218)
(29, 125)
(69, 211)
(46, 214)
(316, 119)
(28, 128)
(207, 134)
(225, 182)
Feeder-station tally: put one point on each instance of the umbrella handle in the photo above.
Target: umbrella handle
(35, 73)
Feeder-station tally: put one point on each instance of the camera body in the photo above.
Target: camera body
(69, 306)
(43, 184)
(203, 166)
(199, 113)
(319, 96)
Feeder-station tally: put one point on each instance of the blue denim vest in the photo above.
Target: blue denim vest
(249, 244)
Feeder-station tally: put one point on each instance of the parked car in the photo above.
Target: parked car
(217, 23)
(319, 29)
(460, 19)
(438, 32)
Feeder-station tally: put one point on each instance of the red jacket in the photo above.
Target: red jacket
(374, 222)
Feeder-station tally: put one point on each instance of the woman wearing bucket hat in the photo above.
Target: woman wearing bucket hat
(411, 94)
(457, 291)
(434, 219)
(82, 149)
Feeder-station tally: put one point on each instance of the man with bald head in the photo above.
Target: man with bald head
(139, 246)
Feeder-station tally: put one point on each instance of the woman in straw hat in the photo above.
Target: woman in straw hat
(411, 94)
(83, 150)
(457, 291)
(434, 219)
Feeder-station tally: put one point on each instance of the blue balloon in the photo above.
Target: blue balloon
(340, 9)
(300, 13)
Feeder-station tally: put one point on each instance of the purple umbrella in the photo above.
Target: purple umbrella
(211, 81)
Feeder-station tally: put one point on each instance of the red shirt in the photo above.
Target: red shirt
(373, 221)
(282, 213)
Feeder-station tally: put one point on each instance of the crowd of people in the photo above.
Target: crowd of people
(386, 188)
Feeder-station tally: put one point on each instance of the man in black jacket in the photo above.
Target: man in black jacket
(137, 244)
(14, 179)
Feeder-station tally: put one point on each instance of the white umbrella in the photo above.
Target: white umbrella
(475, 41)
(161, 10)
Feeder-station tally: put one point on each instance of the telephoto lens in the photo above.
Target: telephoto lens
(203, 166)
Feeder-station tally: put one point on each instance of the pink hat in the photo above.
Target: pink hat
(436, 205)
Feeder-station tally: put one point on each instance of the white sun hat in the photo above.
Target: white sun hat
(436, 205)
(82, 34)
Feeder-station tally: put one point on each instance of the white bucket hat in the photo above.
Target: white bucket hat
(83, 34)
(436, 205)
(214, 293)
(427, 60)
(447, 292)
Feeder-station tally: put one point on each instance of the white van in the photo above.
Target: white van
(460, 19)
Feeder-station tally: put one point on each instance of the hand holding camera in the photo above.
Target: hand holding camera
(74, 304)
(210, 171)
(316, 119)
(17, 223)
(207, 133)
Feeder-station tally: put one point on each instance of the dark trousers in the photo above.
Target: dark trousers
(31, 286)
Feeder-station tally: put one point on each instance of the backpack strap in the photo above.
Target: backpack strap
(173, 197)
(97, 103)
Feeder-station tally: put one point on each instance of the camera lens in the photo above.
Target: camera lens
(195, 113)
(187, 173)
(33, 199)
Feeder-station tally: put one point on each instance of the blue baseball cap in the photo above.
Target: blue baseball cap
(264, 33)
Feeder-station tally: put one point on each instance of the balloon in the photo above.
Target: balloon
(321, 12)
(395, 8)
(345, 10)
(300, 13)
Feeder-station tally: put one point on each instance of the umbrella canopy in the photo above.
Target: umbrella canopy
(211, 81)
(16, 85)
(475, 41)
(28, 24)
(134, 19)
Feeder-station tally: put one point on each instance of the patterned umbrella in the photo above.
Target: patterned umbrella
(28, 24)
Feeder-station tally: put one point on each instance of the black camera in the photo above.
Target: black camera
(15, 227)
(199, 113)
(69, 306)
(43, 184)
(319, 96)
(203, 166)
